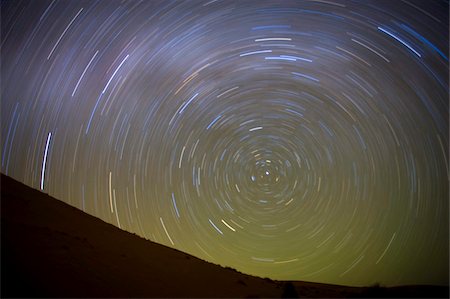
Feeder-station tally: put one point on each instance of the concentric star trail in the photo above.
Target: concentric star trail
(296, 140)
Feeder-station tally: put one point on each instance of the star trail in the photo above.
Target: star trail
(296, 140)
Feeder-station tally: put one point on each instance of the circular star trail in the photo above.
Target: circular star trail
(296, 140)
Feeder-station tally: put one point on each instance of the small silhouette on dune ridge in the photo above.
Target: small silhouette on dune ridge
(51, 249)
(289, 291)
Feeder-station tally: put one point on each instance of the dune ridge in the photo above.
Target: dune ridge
(51, 249)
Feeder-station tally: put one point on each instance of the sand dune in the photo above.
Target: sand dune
(51, 249)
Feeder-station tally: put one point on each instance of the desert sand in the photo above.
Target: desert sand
(51, 249)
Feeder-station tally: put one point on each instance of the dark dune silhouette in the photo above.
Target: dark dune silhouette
(51, 249)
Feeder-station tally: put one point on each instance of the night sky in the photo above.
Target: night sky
(296, 140)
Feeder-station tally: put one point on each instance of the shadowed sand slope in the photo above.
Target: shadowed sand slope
(51, 249)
